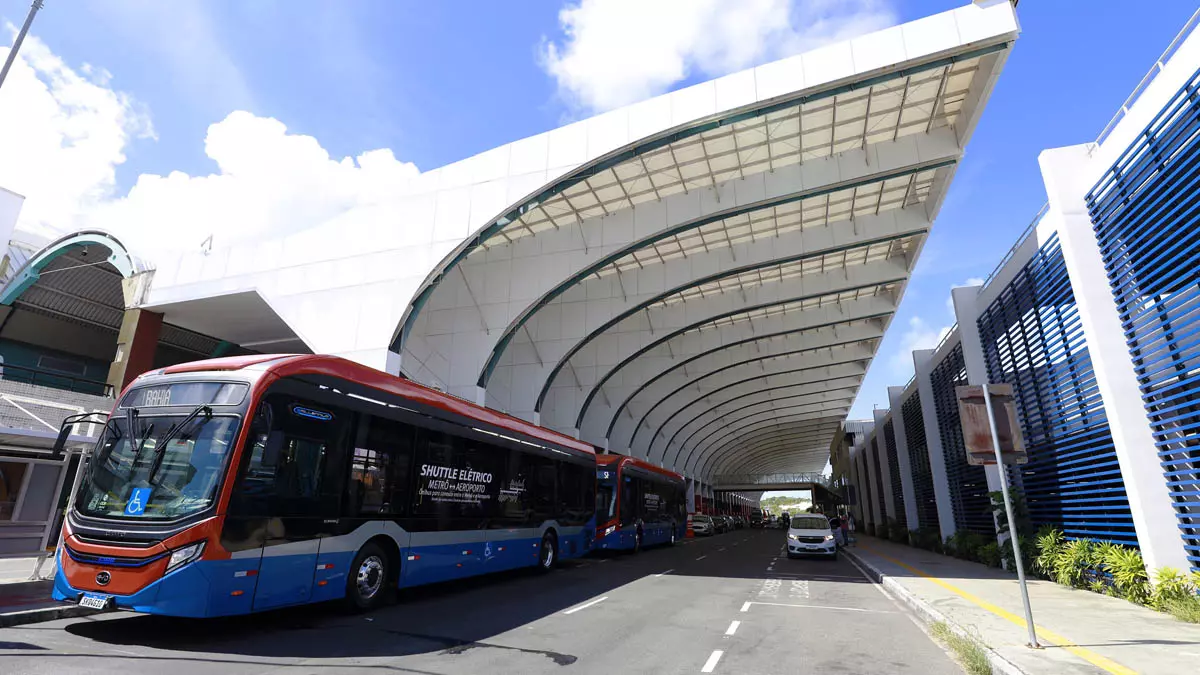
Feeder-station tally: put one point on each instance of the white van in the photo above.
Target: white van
(809, 534)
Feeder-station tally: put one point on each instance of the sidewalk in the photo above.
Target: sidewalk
(1082, 632)
(23, 601)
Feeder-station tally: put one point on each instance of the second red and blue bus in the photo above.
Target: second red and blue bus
(637, 504)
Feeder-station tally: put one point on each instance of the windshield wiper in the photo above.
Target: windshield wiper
(131, 416)
(160, 450)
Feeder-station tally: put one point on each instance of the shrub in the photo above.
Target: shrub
(928, 538)
(1171, 587)
(1050, 543)
(989, 554)
(965, 544)
(1184, 609)
(1076, 557)
(1128, 572)
(897, 532)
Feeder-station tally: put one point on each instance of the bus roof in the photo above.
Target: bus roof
(284, 365)
(605, 460)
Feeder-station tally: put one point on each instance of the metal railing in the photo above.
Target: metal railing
(54, 380)
(1149, 77)
(769, 479)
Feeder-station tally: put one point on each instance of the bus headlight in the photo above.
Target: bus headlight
(610, 530)
(185, 555)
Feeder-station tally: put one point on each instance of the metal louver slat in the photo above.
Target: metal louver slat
(968, 484)
(889, 440)
(918, 455)
(1033, 340)
(1146, 214)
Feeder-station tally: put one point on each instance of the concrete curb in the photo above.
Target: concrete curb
(928, 614)
(44, 614)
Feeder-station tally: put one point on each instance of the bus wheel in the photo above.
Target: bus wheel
(366, 584)
(548, 555)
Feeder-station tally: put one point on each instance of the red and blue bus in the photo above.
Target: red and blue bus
(242, 484)
(637, 504)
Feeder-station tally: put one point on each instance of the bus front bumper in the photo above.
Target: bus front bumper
(184, 592)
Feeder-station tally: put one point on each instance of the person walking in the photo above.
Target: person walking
(845, 529)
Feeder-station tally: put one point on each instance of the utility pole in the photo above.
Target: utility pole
(12, 53)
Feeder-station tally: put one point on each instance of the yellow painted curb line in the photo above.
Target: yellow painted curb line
(1088, 655)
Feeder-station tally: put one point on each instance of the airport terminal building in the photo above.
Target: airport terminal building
(701, 279)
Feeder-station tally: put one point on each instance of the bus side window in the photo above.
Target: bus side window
(545, 500)
(380, 469)
(629, 501)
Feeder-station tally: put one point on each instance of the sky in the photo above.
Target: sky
(169, 122)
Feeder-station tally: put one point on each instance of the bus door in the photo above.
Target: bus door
(295, 483)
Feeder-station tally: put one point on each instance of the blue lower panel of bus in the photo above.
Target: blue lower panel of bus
(209, 588)
(625, 538)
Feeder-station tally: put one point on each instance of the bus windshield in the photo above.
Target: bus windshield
(133, 475)
(606, 495)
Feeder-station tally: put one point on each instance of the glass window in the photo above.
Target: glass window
(514, 496)
(156, 470)
(629, 500)
(295, 461)
(380, 468)
(543, 473)
(576, 492)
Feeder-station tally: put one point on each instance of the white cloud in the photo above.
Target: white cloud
(62, 135)
(617, 52)
(919, 334)
(971, 281)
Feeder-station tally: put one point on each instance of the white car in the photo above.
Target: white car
(809, 534)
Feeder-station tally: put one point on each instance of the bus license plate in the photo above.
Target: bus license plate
(94, 601)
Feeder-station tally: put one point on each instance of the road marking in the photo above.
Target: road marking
(746, 607)
(720, 549)
(1091, 657)
(586, 605)
(711, 663)
(702, 557)
(603, 560)
(665, 572)
(733, 628)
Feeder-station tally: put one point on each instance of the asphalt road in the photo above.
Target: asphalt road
(727, 604)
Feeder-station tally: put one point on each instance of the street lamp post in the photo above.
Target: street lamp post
(12, 53)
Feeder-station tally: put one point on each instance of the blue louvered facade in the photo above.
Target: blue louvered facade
(889, 441)
(879, 488)
(918, 458)
(968, 484)
(1033, 340)
(1146, 214)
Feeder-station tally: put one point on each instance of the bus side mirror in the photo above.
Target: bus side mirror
(60, 443)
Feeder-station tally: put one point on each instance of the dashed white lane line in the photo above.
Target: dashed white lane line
(711, 663)
(586, 605)
(720, 549)
(733, 628)
(665, 572)
(746, 607)
(702, 557)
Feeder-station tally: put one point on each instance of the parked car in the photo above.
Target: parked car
(703, 526)
(726, 523)
(809, 534)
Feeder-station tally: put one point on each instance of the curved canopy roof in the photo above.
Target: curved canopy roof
(709, 296)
